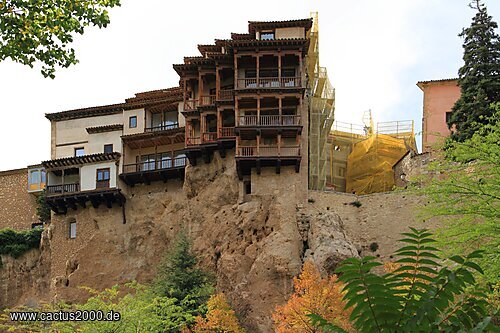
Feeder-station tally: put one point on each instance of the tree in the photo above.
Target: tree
(178, 277)
(220, 317)
(313, 294)
(479, 77)
(42, 208)
(467, 196)
(138, 311)
(39, 31)
(425, 294)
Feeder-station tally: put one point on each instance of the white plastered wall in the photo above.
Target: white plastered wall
(88, 175)
(71, 134)
(140, 114)
(98, 140)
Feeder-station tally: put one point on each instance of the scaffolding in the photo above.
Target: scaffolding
(321, 110)
(361, 157)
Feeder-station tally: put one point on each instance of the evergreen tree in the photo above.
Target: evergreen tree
(479, 77)
(178, 277)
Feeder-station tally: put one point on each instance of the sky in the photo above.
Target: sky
(375, 52)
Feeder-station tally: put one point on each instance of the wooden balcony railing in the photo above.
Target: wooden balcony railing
(162, 127)
(270, 82)
(209, 136)
(193, 141)
(269, 120)
(156, 164)
(268, 151)
(64, 188)
(190, 105)
(207, 100)
(226, 132)
(248, 121)
(226, 95)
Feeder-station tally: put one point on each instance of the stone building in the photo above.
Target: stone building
(439, 98)
(18, 192)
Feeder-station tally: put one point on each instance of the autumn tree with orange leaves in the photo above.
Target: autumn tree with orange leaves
(220, 317)
(313, 294)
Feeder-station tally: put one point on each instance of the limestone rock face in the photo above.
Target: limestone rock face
(25, 280)
(327, 242)
(254, 244)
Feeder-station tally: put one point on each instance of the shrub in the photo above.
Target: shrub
(424, 294)
(356, 203)
(373, 246)
(15, 243)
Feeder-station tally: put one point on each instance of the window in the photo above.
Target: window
(79, 151)
(132, 122)
(266, 35)
(102, 178)
(108, 148)
(34, 177)
(72, 230)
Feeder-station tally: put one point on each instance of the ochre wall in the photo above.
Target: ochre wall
(439, 98)
(17, 206)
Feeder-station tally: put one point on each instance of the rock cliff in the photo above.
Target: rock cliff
(254, 243)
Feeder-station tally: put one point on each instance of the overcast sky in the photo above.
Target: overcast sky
(375, 52)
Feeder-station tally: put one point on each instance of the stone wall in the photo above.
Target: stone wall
(380, 219)
(17, 206)
(412, 166)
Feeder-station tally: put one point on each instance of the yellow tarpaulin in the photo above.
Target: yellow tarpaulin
(369, 165)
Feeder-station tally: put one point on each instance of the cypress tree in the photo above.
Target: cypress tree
(179, 277)
(479, 77)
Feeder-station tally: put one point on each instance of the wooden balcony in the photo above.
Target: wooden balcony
(62, 189)
(226, 132)
(193, 141)
(270, 82)
(191, 105)
(209, 137)
(249, 157)
(154, 170)
(268, 151)
(61, 197)
(269, 120)
(226, 95)
(162, 127)
(207, 100)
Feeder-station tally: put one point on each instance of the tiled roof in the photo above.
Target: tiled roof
(104, 128)
(78, 160)
(440, 80)
(254, 25)
(140, 100)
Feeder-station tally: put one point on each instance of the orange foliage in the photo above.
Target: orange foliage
(220, 317)
(313, 294)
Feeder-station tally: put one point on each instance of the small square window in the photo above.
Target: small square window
(108, 148)
(79, 151)
(132, 122)
(72, 230)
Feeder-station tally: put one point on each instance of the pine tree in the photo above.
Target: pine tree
(479, 77)
(179, 277)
